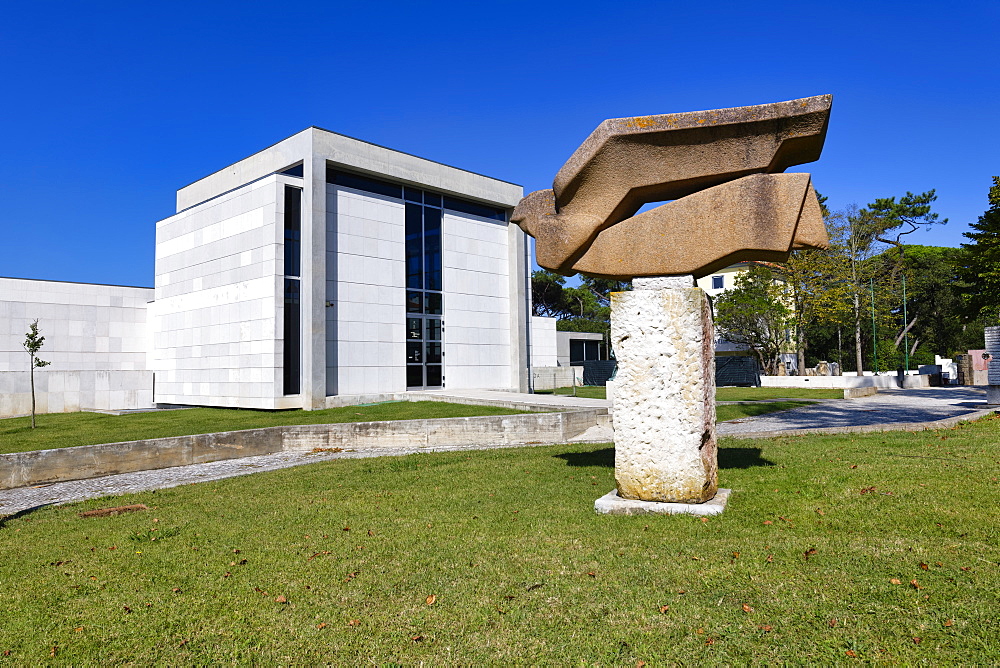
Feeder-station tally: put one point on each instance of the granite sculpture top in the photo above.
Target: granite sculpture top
(720, 168)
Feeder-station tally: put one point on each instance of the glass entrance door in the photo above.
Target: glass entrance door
(424, 330)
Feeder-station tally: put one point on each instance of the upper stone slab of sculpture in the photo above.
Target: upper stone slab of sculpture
(722, 170)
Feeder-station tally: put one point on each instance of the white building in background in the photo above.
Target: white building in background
(320, 267)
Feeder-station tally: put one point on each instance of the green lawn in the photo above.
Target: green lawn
(761, 393)
(722, 393)
(60, 430)
(737, 411)
(878, 547)
(63, 430)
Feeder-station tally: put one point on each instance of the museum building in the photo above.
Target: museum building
(319, 267)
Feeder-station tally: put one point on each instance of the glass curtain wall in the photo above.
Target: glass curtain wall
(292, 328)
(424, 301)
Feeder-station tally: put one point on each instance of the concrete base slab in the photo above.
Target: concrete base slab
(612, 504)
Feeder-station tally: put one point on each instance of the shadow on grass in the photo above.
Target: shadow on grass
(729, 458)
(19, 514)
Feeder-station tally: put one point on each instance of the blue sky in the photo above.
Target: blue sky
(108, 108)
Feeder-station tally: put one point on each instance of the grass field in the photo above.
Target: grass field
(63, 430)
(879, 548)
(60, 430)
(723, 393)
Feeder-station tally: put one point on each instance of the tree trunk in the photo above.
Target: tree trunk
(857, 338)
(801, 352)
(32, 391)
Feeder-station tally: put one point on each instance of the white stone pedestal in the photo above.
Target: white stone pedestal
(664, 408)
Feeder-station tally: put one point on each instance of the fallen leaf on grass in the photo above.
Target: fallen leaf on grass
(924, 566)
(80, 628)
(768, 522)
(770, 558)
(351, 576)
(371, 533)
(280, 599)
(747, 608)
(950, 622)
(709, 641)
(431, 599)
(766, 628)
(640, 664)
(127, 609)
(176, 590)
(417, 638)
(916, 641)
(592, 574)
(322, 625)
(851, 653)
(354, 622)
(810, 552)
(832, 623)
(895, 581)
(663, 609)
(915, 584)
(819, 511)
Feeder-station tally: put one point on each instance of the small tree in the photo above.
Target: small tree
(756, 314)
(33, 343)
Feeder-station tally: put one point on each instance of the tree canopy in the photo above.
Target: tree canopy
(980, 261)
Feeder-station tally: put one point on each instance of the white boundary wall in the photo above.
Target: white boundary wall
(95, 339)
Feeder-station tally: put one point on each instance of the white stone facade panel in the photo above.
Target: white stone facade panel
(544, 347)
(87, 327)
(217, 318)
(477, 336)
(365, 326)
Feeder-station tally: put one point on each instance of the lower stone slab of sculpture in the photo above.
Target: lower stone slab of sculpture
(612, 504)
(664, 406)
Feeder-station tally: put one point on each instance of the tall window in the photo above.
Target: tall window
(292, 328)
(424, 300)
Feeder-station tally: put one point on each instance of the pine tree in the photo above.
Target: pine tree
(980, 267)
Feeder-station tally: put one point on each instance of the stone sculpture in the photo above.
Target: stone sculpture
(720, 167)
(730, 203)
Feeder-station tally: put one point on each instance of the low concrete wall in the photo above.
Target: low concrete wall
(840, 382)
(72, 391)
(858, 392)
(88, 461)
(551, 377)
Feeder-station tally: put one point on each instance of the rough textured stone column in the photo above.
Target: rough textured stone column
(664, 414)
(992, 335)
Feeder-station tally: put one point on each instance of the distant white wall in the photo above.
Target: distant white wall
(71, 391)
(86, 326)
(477, 337)
(95, 339)
(543, 341)
(217, 318)
(365, 327)
(838, 382)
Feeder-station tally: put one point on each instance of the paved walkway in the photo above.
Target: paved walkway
(891, 407)
(888, 407)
